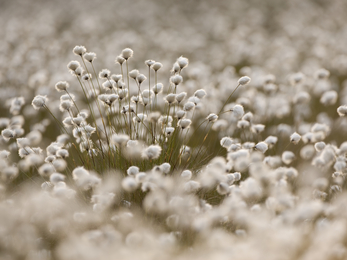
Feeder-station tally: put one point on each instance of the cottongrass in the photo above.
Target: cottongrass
(149, 171)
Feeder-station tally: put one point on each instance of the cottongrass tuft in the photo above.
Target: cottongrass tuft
(152, 152)
(244, 80)
(39, 102)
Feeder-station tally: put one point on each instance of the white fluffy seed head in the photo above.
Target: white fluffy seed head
(157, 88)
(129, 184)
(46, 169)
(322, 74)
(319, 146)
(39, 101)
(108, 85)
(79, 50)
(73, 65)
(182, 62)
(157, 66)
(55, 178)
(141, 78)
(65, 105)
(7, 134)
(184, 123)
(342, 110)
(149, 63)
(226, 142)
(212, 117)
(237, 176)
(170, 98)
(61, 86)
(78, 72)
(271, 140)
(248, 116)
(127, 53)
(165, 168)
(243, 124)
(89, 56)
(181, 96)
(244, 80)
(329, 98)
(295, 138)
(119, 139)
(133, 74)
(120, 60)
(169, 130)
(152, 152)
(176, 79)
(258, 128)
(261, 146)
(180, 114)
(223, 188)
(186, 174)
(288, 157)
(307, 152)
(238, 111)
(62, 153)
(133, 170)
(104, 74)
(23, 142)
(200, 93)
(188, 106)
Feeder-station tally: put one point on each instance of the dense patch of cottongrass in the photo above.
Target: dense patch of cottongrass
(163, 169)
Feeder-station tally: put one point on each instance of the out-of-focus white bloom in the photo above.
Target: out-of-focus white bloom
(133, 170)
(180, 97)
(319, 146)
(182, 62)
(295, 138)
(129, 184)
(271, 140)
(261, 146)
(223, 188)
(39, 101)
(127, 53)
(120, 60)
(188, 106)
(104, 74)
(184, 123)
(73, 65)
(212, 117)
(322, 74)
(244, 80)
(55, 178)
(119, 139)
(186, 174)
(61, 86)
(89, 56)
(200, 93)
(329, 98)
(342, 110)
(238, 111)
(176, 79)
(141, 78)
(157, 66)
(152, 152)
(7, 134)
(226, 142)
(288, 157)
(157, 88)
(149, 63)
(258, 128)
(79, 50)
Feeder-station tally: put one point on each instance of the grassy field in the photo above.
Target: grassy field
(173, 129)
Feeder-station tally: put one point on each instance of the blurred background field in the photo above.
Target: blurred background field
(295, 54)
